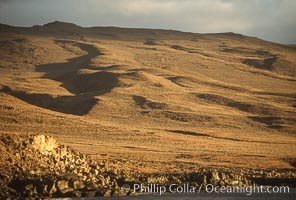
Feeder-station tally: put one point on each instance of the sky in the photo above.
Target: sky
(273, 20)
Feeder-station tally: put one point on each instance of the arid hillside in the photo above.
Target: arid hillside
(152, 100)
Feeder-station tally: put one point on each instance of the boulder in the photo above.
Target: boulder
(63, 186)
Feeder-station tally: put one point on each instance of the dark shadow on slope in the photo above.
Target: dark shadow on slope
(64, 72)
(97, 83)
(291, 161)
(84, 85)
(265, 60)
(75, 105)
(145, 103)
(150, 42)
(265, 114)
(191, 133)
(177, 80)
(242, 106)
(111, 67)
(265, 64)
(273, 122)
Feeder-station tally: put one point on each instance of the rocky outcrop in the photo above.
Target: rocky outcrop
(37, 166)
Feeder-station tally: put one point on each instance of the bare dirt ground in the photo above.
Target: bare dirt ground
(152, 100)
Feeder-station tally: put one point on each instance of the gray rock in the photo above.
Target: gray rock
(205, 180)
(52, 189)
(78, 185)
(235, 182)
(108, 193)
(63, 186)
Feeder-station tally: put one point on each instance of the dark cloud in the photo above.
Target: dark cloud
(269, 19)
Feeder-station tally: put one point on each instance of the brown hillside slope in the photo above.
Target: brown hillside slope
(165, 100)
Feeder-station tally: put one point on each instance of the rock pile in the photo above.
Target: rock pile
(36, 166)
(201, 177)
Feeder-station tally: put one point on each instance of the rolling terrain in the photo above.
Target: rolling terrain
(152, 100)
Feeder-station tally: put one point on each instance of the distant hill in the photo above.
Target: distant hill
(117, 32)
(152, 100)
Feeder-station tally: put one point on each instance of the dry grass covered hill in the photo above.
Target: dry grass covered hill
(152, 100)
